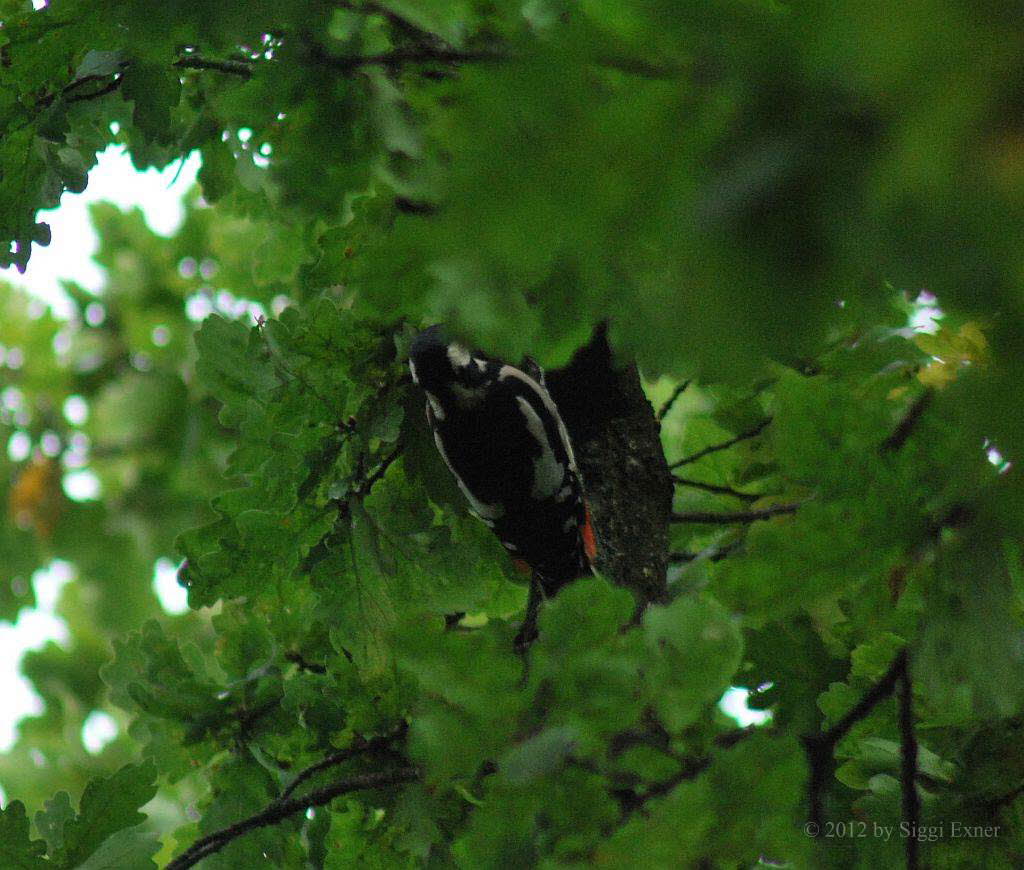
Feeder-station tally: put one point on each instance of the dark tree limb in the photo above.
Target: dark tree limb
(721, 518)
(820, 748)
(908, 760)
(281, 809)
(902, 431)
(752, 432)
(617, 441)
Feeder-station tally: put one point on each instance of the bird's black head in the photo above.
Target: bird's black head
(436, 362)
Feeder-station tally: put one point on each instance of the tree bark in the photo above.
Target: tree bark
(616, 438)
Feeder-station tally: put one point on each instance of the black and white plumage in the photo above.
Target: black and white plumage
(498, 430)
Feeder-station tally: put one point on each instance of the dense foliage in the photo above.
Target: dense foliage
(752, 195)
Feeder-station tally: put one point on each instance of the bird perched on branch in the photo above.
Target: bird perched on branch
(498, 430)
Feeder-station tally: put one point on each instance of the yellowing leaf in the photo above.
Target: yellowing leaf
(937, 374)
(951, 351)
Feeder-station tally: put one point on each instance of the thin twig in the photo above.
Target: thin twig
(902, 432)
(715, 488)
(280, 810)
(711, 554)
(720, 518)
(321, 549)
(397, 21)
(690, 768)
(1004, 799)
(336, 758)
(725, 445)
(422, 54)
(642, 67)
(108, 88)
(320, 464)
(231, 67)
(234, 67)
(908, 766)
(367, 485)
(671, 400)
(296, 658)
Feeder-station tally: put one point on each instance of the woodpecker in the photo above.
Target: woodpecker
(500, 433)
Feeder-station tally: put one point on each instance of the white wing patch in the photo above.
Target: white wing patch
(412, 371)
(548, 472)
(435, 405)
(507, 371)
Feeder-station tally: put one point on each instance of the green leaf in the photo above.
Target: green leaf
(539, 755)
(693, 649)
(228, 364)
(108, 806)
(871, 660)
(155, 90)
(51, 822)
(100, 63)
(16, 849)
(129, 848)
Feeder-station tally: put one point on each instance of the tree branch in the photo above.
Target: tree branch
(617, 442)
(908, 765)
(711, 554)
(334, 759)
(725, 445)
(902, 432)
(282, 809)
(296, 658)
(108, 88)
(233, 67)
(320, 550)
(690, 768)
(639, 66)
(719, 518)
(397, 21)
(671, 400)
(1004, 799)
(714, 488)
(381, 470)
(240, 68)
(820, 747)
(420, 54)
